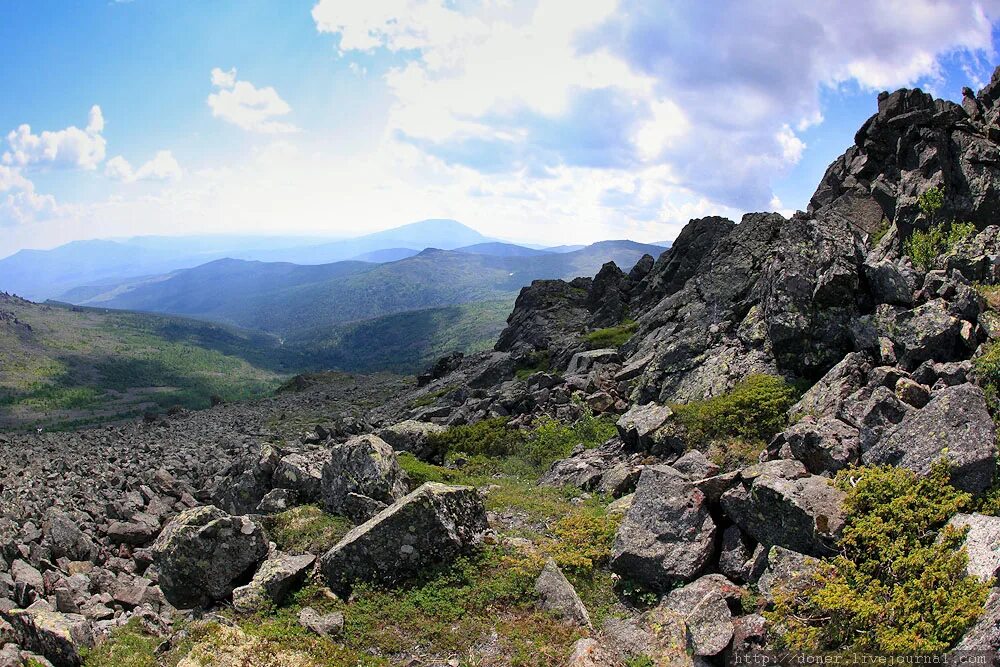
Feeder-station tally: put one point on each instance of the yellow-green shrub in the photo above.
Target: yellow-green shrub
(900, 583)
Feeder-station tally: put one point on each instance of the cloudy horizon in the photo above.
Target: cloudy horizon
(540, 121)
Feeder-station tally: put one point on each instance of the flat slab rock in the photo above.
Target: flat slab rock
(433, 524)
(58, 637)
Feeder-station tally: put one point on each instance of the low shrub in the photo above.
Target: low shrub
(899, 584)
(611, 336)
(754, 411)
(923, 247)
(536, 362)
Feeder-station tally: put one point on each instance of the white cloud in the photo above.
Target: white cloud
(246, 106)
(68, 148)
(715, 91)
(163, 167)
(19, 203)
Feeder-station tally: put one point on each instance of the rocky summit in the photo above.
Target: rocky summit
(778, 434)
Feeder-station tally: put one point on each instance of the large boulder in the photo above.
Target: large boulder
(303, 473)
(955, 423)
(364, 467)
(780, 503)
(786, 571)
(247, 481)
(433, 524)
(982, 543)
(667, 535)
(204, 553)
(58, 637)
(414, 437)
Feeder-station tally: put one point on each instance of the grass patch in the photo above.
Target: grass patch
(534, 449)
(611, 336)
(752, 413)
(536, 362)
(131, 646)
(431, 396)
(899, 585)
(306, 529)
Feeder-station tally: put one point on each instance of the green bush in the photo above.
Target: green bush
(987, 369)
(611, 336)
(925, 247)
(536, 362)
(754, 411)
(899, 584)
(490, 437)
(931, 201)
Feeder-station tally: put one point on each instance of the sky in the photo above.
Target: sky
(544, 121)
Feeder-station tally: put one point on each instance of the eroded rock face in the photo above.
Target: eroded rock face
(364, 467)
(956, 419)
(824, 445)
(433, 524)
(667, 535)
(780, 503)
(204, 553)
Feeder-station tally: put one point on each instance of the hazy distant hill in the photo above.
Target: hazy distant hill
(502, 250)
(287, 298)
(45, 274)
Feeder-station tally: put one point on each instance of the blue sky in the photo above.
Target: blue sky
(537, 120)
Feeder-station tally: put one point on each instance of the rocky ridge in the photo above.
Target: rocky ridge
(138, 522)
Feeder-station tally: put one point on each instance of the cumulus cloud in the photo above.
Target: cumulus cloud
(68, 148)
(19, 203)
(163, 167)
(246, 106)
(717, 93)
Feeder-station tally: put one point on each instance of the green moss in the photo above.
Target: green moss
(880, 232)
(987, 368)
(431, 396)
(899, 585)
(306, 529)
(536, 362)
(754, 411)
(611, 336)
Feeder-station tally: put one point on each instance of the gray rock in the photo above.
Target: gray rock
(557, 595)
(433, 524)
(749, 633)
(277, 501)
(694, 465)
(365, 465)
(203, 553)
(325, 625)
(927, 332)
(667, 535)
(139, 531)
(248, 480)
(735, 554)
(957, 420)
(780, 503)
(414, 437)
(58, 637)
(640, 428)
(66, 540)
(824, 445)
(826, 397)
(891, 283)
(984, 635)
(982, 543)
(583, 362)
(703, 608)
(303, 472)
(274, 580)
(786, 570)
